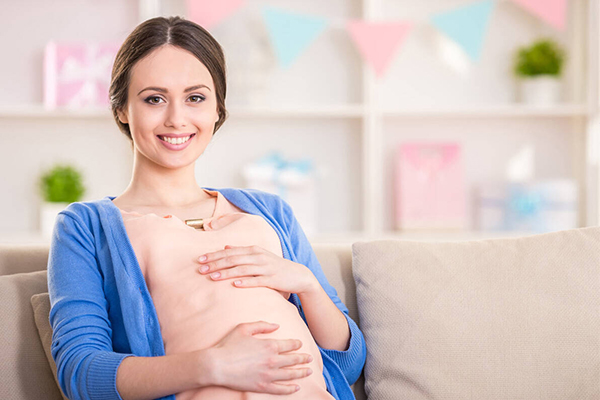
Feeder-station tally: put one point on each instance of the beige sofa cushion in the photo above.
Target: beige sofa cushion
(41, 312)
(26, 373)
(515, 318)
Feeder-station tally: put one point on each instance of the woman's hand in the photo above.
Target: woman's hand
(245, 363)
(253, 266)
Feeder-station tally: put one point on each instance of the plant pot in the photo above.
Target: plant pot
(48, 213)
(544, 90)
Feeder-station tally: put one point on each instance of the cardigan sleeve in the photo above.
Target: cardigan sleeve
(81, 330)
(352, 360)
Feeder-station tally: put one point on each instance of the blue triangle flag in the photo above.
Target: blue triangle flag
(466, 25)
(291, 33)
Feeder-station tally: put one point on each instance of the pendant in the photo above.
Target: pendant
(195, 223)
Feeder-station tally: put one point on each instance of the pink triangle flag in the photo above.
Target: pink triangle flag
(552, 11)
(209, 13)
(377, 41)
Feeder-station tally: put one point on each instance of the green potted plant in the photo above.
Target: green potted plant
(60, 185)
(539, 69)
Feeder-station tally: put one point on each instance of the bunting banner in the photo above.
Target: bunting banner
(377, 42)
(209, 13)
(291, 33)
(466, 25)
(553, 12)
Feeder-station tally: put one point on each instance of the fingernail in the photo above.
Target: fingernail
(310, 358)
(309, 372)
(297, 388)
(204, 268)
(202, 258)
(215, 275)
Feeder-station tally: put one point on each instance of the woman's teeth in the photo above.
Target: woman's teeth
(175, 141)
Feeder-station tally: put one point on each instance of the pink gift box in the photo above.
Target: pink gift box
(77, 75)
(430, 187)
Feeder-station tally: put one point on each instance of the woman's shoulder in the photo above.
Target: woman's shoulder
(244, 196)
(85, 212)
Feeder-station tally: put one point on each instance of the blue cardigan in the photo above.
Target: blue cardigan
(102, 311)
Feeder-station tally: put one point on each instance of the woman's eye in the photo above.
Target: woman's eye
(199, 99)
(157, 99)
(151, 98)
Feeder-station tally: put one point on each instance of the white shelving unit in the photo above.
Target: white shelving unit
(581, 115)
(374, 116)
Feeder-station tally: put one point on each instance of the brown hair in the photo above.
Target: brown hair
(156, 32)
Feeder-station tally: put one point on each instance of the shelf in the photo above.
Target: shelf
(425, 236)
(333, 111)
(498, 111)
(422, 236)
(38, 111)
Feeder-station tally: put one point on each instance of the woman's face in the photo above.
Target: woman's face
(171, 93)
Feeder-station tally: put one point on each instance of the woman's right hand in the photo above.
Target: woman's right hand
(245, 363)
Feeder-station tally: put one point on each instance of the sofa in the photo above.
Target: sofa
(505, 318)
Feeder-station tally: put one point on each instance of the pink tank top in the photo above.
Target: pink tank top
(196, 312)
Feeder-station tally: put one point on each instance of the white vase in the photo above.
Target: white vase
(48, 213)
(543, 90)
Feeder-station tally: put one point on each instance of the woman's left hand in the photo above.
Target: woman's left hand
(254, 266)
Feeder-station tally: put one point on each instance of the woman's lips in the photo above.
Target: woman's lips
(177, 147)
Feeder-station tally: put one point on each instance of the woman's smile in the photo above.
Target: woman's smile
(176, 143)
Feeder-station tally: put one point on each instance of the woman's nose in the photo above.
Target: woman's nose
(175, 116)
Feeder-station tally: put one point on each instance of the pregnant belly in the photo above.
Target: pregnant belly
(202, 320)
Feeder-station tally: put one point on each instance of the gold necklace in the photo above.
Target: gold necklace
(195, 223)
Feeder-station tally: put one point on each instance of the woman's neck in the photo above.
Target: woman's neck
(149, 198)
(160, 187)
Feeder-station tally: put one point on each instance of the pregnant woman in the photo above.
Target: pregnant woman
(146, 305)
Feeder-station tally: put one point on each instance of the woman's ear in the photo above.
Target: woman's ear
(122, 117)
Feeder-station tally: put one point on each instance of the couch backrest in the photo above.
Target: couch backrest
(26, 373)
(22, 258)
(335, 259)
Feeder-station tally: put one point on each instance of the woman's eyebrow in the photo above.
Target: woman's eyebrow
(163, 90)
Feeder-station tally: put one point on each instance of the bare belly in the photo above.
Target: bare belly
(195, 312)
(213, 309)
